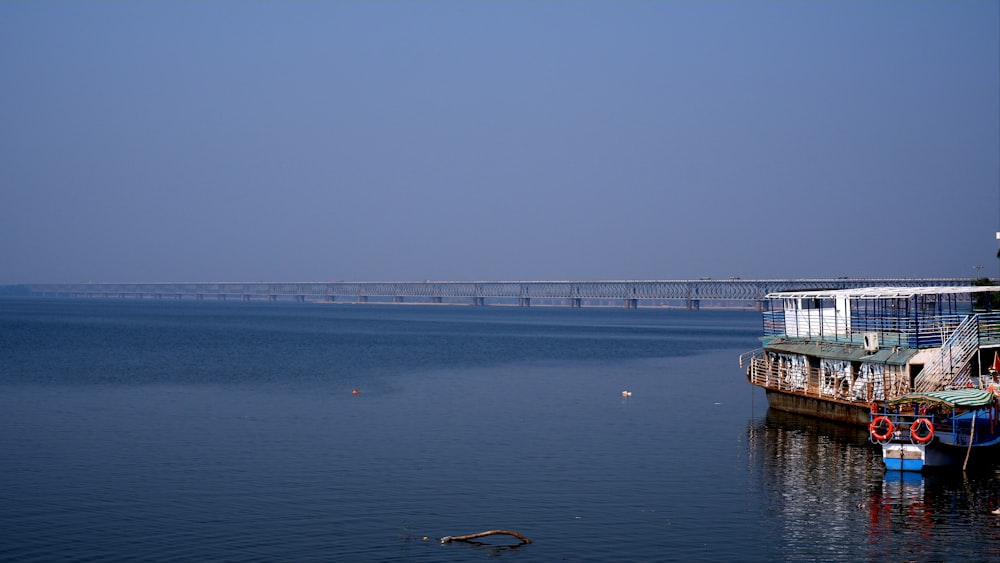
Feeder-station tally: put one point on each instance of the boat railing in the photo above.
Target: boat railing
(903, 423)
(958, 430)
(989, 328)
(788, 374)
(924, 332)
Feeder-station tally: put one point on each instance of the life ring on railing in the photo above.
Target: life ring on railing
(921, 436)
(881, 428)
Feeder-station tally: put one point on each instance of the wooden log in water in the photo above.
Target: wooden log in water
(448, 539)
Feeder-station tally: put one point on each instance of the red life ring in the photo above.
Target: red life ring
(921, 438)
(878, 422)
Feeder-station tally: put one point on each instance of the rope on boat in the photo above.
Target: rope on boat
(449, 539)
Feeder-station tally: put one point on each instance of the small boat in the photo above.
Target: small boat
(833, 353)
(920, 431)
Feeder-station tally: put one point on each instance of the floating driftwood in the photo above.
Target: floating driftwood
(448, 539)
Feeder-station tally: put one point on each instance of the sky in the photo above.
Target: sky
(546, 140)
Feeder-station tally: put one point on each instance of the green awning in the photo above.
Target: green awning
(951, 399)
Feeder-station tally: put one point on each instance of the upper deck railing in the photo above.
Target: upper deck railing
(926, 332)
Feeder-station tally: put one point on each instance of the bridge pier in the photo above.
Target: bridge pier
(397, 298)
(575, 303)
(694, 304)
(436, 299)
(362, 299)
(479, 301)
(631, 303)
(524, 302)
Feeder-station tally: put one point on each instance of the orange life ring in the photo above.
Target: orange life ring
(921, 438)
(878, 422)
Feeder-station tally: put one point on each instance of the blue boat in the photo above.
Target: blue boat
(938, 428)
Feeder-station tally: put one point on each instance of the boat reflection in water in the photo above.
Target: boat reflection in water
(825, 495)
(899, 502)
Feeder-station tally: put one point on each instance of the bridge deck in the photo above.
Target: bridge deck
(693, 294)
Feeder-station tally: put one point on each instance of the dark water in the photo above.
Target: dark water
(162, 431)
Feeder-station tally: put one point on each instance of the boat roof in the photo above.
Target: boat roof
(881, 292)
(955, 398)
(840, 351)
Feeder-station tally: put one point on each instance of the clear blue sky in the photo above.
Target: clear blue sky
(311, 141)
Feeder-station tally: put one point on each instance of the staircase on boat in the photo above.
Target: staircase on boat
(953, 365)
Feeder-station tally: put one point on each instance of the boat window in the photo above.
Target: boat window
(816, 303)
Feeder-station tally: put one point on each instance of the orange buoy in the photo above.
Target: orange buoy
(356, 392)
(881, 428)
(922, 431)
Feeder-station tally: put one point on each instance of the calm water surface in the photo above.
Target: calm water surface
(163, 431)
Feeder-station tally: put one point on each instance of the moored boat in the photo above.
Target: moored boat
(937, 429)
(834, 353)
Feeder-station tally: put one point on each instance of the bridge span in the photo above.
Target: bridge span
(690, 294)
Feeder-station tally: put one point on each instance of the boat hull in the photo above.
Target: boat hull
(904, 457)
(918, 457)
(819, 408)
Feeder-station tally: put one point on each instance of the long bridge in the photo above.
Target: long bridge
(733, 293)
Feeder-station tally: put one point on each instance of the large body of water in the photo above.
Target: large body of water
(183, 431)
